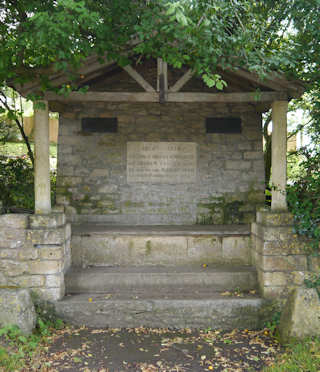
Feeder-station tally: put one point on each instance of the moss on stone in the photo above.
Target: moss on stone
(221, 211)
(131, 204)
(85, 199)
(85, 134)
(86, 188)
(148, 247)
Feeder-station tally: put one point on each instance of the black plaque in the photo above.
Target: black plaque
(223, 125)
(100, 125)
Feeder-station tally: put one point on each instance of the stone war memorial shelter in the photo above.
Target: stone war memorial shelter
(160, 196)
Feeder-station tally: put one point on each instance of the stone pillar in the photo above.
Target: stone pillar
(42, 160)
(279, 155)
(278, 254)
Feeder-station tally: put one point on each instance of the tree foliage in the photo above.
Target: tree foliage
(47, 36)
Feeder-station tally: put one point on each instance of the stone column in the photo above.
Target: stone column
(42, 159)
(279, 155)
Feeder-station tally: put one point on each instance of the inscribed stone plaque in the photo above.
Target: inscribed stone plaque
(161, 162)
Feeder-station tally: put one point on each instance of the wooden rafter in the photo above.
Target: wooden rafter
(254, 78)
(182, 81)
(139, 79)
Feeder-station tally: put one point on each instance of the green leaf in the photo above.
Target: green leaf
(219, 85)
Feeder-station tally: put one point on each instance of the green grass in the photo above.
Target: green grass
(20, 149)
(303, 356)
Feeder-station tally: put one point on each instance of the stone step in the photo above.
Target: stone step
(101, 245)
(178, 308)
(103, 279)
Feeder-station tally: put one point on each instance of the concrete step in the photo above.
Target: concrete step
(178, 308)
(104, 279)
(101, 245)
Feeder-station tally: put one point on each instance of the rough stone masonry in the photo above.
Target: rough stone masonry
(226, 187)
(35, 253)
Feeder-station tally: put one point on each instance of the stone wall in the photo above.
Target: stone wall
(280, 256)
(35, 253)
(92, 182)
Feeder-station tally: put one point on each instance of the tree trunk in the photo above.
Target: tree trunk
(21, 129)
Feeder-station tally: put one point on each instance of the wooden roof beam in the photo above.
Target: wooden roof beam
(254, 78)
(181, 82)
(139, 79)
(253, 97)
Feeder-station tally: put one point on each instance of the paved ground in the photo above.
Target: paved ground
(150, 350)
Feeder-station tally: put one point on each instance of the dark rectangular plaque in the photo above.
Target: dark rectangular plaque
(99, 125)
(223, 125)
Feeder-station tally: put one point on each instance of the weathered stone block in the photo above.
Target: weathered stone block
(54, 281)
(28, 281)
(68, 140)
(16, 307)
(58, 209)
(273, 233)
(44, 267)
(13, 268)
(43, 237)
(15, 221)
(67, 256)
(252, 155)
(47, 221)
(69, 181)
(283, 263)
(282, 278)
(273, 279)
(205, 249)
(27, 254)
(50, 294)
(107, 189)
(70, 211)
(11, 237)
(281, 248)
(68, 231)
(256, 196)
(8, 253)
(274, 292)
(48, 252)
(237, 164)
(315, 263)
(99, 173)
(3, 280)
(236, 250)
(258, 165)
(301, 315)
(245, 146)
(252, 134)
(62, 199)
(269, 218)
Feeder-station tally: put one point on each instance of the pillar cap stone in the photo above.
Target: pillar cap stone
(274, 218)
(47, 220)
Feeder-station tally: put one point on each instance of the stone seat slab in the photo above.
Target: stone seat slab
(162, 230)
(105, 245)
(218, 278)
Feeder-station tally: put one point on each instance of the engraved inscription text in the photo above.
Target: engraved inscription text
(161, 162)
